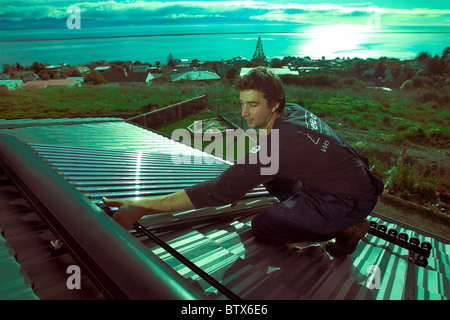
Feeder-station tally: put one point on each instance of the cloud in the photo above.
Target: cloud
(354, 14)
(121, 10)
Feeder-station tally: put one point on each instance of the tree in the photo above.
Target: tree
(194, 63)
(423, 56)
(276, 63)
(380, 70)
(361, 66)
(435, 65)
(37, 67)
(43, 75)
(232, 73)
(94, 77)
(75, 73)
(286, 60)
(407, 72)
(7, 68)
(213, 67)
(446, 54)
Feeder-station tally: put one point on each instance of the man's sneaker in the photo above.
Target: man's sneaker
(347, 239)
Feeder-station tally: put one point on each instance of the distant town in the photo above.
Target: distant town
(384, 72)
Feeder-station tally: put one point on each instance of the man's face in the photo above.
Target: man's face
(256, 110)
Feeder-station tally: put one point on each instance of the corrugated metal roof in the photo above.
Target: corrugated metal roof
(15, 285)
(118, 159)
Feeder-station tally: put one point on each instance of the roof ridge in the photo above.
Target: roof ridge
(45, 122)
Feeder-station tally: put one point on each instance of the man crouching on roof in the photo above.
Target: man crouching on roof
(325, 188)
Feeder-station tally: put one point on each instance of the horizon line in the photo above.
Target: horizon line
(205, 34)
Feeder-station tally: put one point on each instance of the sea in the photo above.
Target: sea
(215, 42)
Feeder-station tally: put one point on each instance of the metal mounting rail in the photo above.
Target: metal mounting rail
(188, 263)
(119, 264)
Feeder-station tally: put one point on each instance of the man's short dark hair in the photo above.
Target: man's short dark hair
(264, 80)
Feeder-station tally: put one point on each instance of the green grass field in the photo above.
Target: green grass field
(90, 101)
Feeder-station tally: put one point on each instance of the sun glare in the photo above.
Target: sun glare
(333, 41)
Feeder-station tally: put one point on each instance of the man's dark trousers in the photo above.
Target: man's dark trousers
(305, 213)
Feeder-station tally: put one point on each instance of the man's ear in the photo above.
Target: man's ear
(275, 107)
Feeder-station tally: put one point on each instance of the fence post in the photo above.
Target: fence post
(145, 120)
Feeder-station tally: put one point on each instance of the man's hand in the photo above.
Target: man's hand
(129, 212)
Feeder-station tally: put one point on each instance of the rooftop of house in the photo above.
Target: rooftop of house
(127, 76)
(40, 84)
(195, 75)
